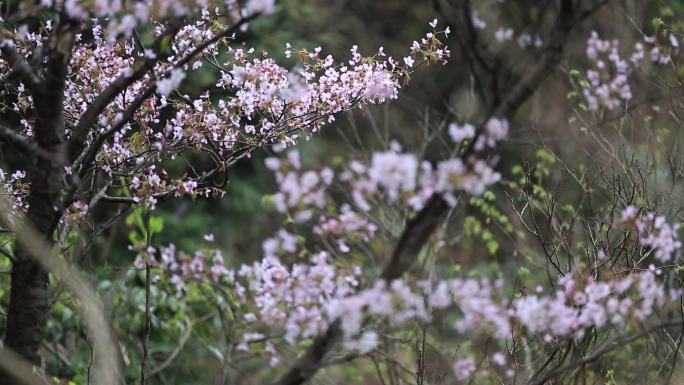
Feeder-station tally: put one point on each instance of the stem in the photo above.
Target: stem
(148, 323)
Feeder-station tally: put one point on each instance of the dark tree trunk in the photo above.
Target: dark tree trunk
(29, 295)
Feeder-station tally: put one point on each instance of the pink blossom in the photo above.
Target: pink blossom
(464, 368)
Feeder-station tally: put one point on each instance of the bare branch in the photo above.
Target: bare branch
(568, 18)
(605, 348)
(25, 143)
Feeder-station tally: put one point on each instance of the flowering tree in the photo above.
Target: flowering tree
(96, 116)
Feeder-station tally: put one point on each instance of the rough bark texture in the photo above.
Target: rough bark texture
(29, 296)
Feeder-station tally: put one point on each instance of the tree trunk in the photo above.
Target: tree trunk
(29, 295)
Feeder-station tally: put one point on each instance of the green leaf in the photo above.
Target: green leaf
(156, 224)
(657, 23)
(492, 247)
(267, 201)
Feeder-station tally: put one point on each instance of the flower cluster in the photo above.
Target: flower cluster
(149, 184)
(306, 298)
(495, 130)
(401, 175)
(392, 174)
(299, 190)
(654, 232)
(267, 104)
(660, 53)
(296, 298)
(77, 212)
(283, 243)
(348, 226)
(301, 193)
(124, 17)
(303, 299)
(14, 186)
(180, 268)
(608, 81)
(527, 40)
(504, 33)
(398, 175)
(460, 133)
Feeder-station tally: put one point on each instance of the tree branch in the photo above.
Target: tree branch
(418, 230)
(568, 18)
(603, 349)
(88, 155)
(19, 67)
(114, 89)
(25, 143)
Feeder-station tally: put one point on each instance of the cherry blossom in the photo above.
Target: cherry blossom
(608, 82)
(654, 232)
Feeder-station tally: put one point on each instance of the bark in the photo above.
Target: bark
(29, 295)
